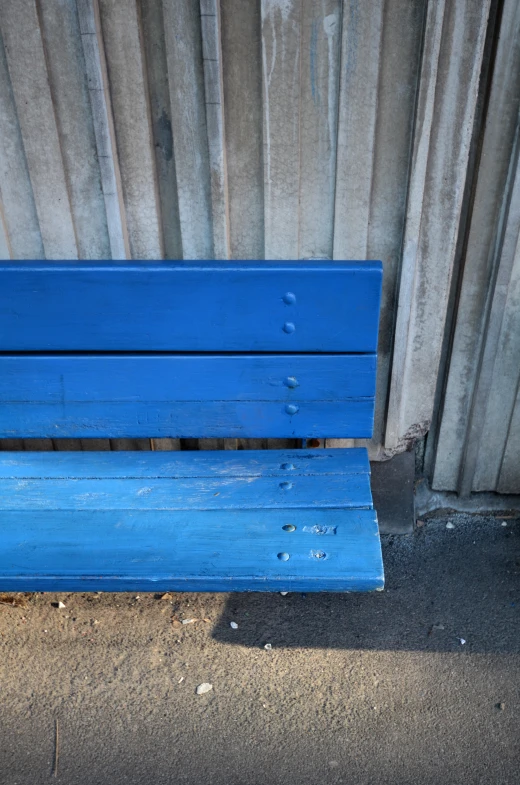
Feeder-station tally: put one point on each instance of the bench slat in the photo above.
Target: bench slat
(188, 493)
(351, 418)
(92, 550)
(187, 396)
(171, 378)
(198, 396)
(208, 307)
(190, 463)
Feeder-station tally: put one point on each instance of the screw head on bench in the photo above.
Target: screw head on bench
(289, 298)
(286, 486)
(291, 408)
(289, 527)
(292, 382)
(284, 556)
(289, 328)
(288, 467)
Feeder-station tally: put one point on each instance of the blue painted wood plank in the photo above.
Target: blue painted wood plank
(65, 378)
(223, 493)
(213, 307)
(92, 550)
(286, 464)
(320, 419)
(186, 395)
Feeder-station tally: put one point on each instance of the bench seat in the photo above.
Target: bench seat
(267, 520)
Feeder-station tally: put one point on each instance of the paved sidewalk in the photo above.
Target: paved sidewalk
(356, 689)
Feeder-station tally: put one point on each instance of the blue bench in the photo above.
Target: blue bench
(188, 350)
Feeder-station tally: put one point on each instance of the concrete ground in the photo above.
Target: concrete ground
(357, 689)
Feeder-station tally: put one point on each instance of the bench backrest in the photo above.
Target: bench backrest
(188, 349)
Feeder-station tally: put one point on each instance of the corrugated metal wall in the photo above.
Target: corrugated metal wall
(288, 129)
(478, 429)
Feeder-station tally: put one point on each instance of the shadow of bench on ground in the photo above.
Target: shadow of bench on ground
(442, 585)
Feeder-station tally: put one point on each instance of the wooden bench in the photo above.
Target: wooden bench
(188, 350)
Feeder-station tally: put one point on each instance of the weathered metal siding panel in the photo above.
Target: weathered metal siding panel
(211, 33)
(477, 419)
(103, 121)
(242, 75)
(292, 129)
(154, 43)
(20, 227)
(26, 59)
(441, 148)
(122, 35)
(492, 441)
(68, 83)
(397, 83)
(281, 41)
(319, 82)
(359, 83)
(182, 26)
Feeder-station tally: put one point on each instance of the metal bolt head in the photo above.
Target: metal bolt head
(289, 328)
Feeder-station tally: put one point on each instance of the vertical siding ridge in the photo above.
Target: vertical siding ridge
(6, 252)
(57, 122)
(281, 44)
(144, 68)
(20, 216)
(300, 90)
(102, 115)
(357, 124)
(36, 115)
(434, 23)
(124, 55)
(154, 45)
(211, 29)
(338, 110)
(508, 476)
(374, 129)
(183, 41)
(242, 74)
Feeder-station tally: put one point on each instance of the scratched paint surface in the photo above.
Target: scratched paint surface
(193, 463)
(232, 550)
(275, 521)
(202, 493)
